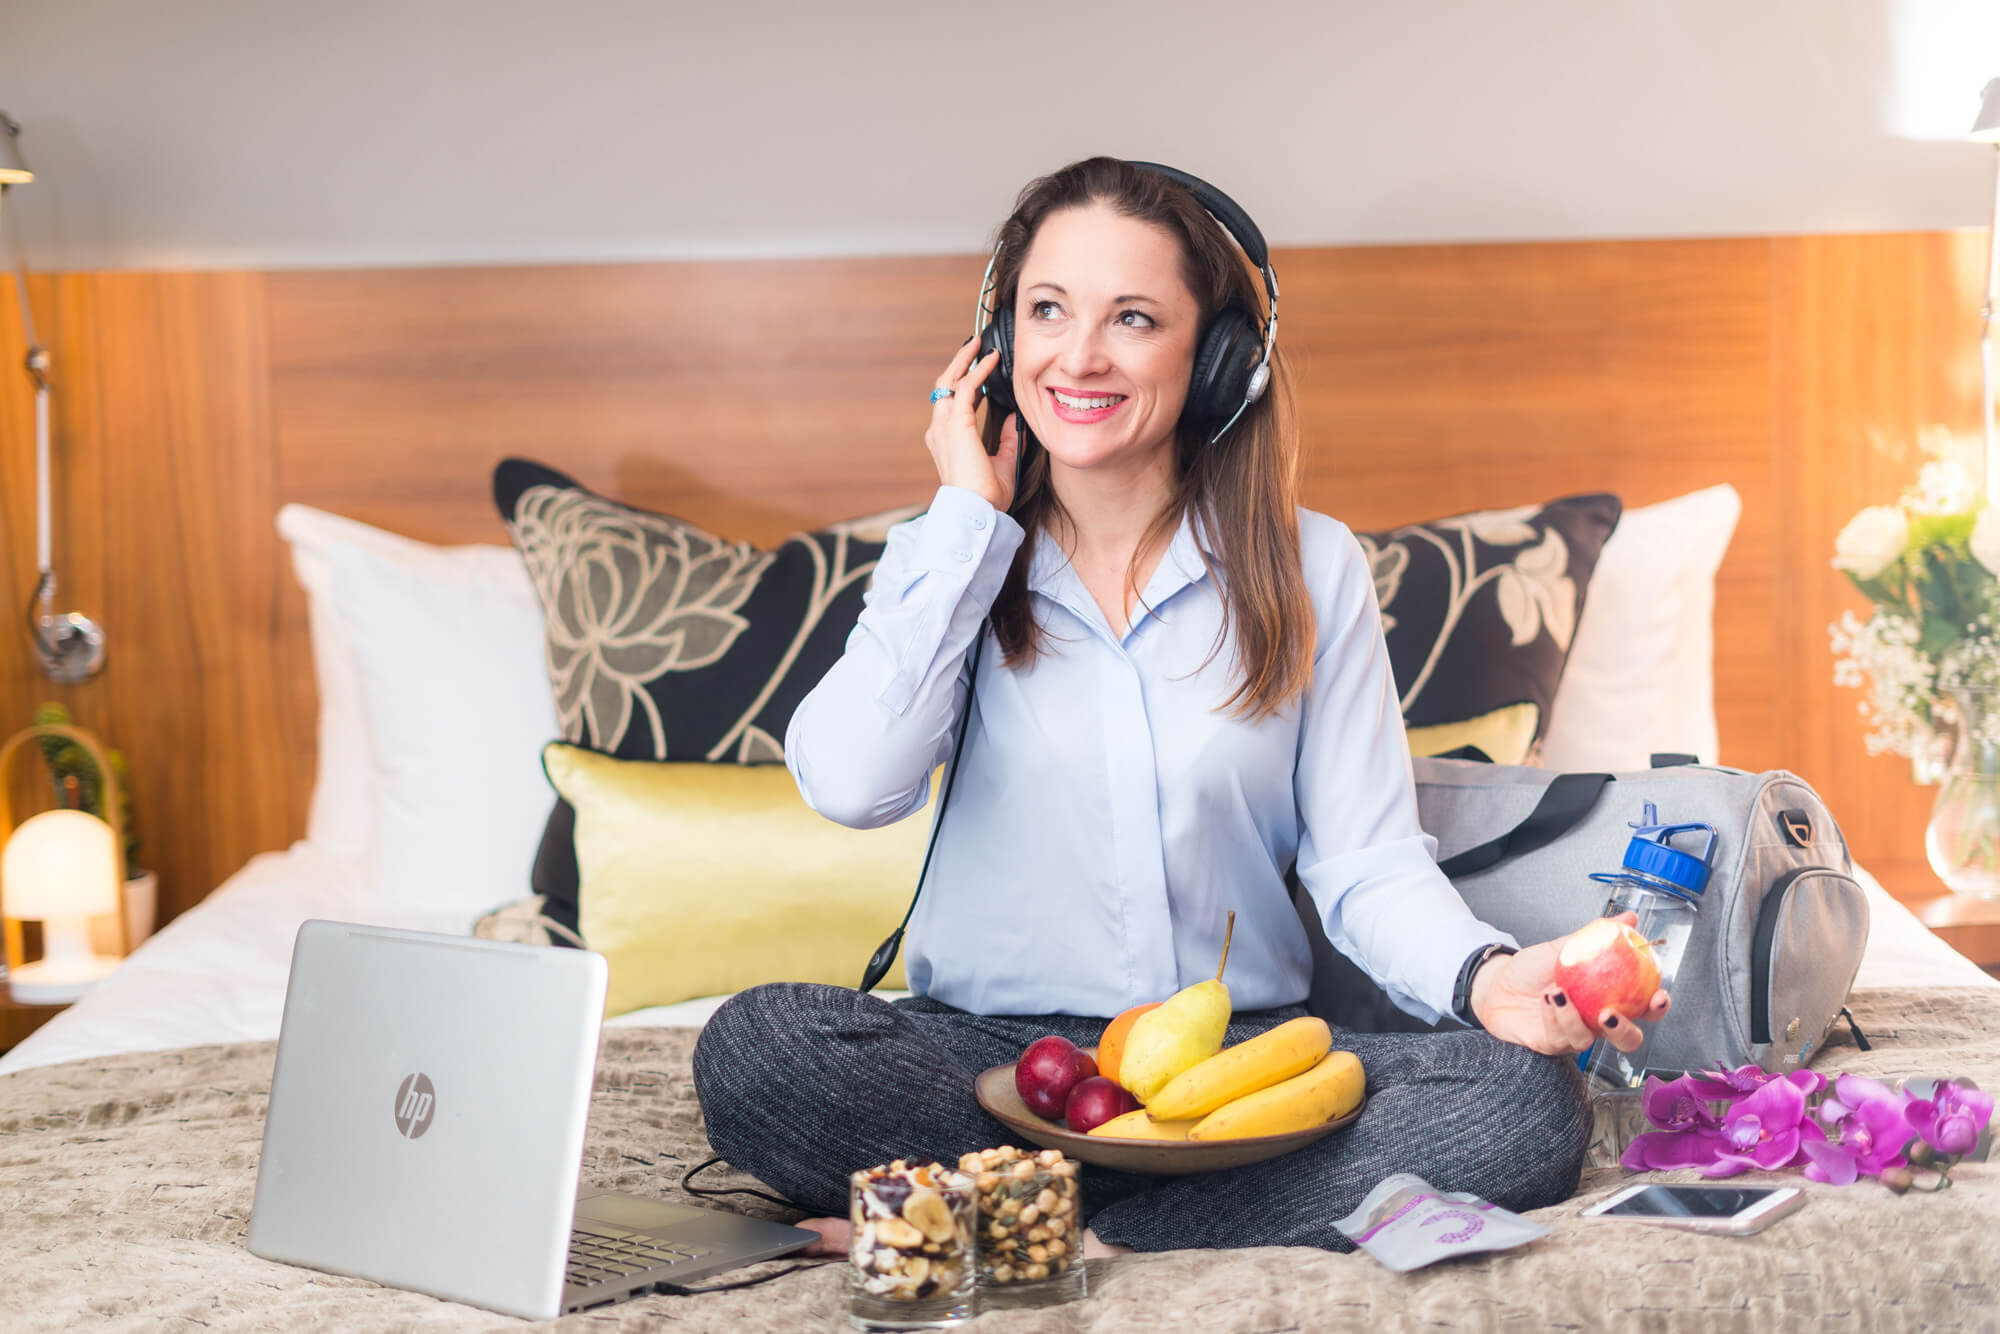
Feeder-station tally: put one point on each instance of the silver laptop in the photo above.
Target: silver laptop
(426, 1131)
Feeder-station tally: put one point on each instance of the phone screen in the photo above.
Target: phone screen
(1689, 1202)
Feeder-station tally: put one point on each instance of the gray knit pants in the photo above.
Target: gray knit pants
(802, 1084)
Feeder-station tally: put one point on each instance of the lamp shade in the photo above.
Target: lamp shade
(13, 167)
(1987, 128)
(59, 864)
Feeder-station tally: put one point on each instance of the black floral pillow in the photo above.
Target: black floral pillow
(1479, 611)
(666, 642)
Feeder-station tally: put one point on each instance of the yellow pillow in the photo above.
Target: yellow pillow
(696, 879)
(1505, 735)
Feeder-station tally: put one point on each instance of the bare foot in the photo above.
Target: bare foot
(1093, 1249)
(835, 1235)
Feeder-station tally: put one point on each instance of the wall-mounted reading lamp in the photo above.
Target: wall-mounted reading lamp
(70, 644)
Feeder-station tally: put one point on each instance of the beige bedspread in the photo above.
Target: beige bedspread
(126, 1183)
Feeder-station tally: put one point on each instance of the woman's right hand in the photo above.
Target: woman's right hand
(953, 437)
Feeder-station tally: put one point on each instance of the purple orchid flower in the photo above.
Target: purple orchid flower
(1850, 1093)
(1690, 1133)
(1873, 1131)
(1951, 1118)
(1763, 1128)
(1767, 1131)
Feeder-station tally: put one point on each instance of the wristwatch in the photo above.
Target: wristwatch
(1461, 994)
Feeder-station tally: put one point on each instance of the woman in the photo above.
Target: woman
(1186, 690)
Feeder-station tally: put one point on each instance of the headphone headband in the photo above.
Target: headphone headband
(1232, 219)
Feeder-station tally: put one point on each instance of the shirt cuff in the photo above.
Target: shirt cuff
(959, 530)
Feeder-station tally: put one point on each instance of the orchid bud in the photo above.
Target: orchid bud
(1921, 1154)
(1898, 1179)
(1956, 1135)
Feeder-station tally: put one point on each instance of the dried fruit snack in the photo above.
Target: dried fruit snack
(913, 1234)
(1030, 1222)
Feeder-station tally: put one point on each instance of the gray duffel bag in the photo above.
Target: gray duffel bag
(1775, 945)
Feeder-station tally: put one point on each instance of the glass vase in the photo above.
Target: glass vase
(1963, 837)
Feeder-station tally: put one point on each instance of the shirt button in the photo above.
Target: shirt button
(980, 523)
(965, 555)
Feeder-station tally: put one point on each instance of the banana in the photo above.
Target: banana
(1138, 1125)
(1330, 1089)
(1292, 1048)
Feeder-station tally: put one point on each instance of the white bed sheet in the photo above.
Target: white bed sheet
(217, 972)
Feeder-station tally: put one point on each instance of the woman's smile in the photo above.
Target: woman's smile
(1083, 409)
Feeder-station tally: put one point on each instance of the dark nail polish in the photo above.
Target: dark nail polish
(1611, 1021)
(968, 338)
(1561, 999)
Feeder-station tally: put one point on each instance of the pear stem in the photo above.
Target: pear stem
(1227, 932)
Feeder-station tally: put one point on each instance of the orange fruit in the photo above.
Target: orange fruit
(1111, 1047)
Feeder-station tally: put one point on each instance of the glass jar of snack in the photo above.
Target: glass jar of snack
(913, 1251)
(1030, 1226)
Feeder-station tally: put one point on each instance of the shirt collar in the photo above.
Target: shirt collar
(1179, 567)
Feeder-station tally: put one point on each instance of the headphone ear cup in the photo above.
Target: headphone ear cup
(999, 383)
(1222, 366)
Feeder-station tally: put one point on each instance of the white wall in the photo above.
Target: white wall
(197, 133)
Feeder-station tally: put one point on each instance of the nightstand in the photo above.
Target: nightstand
(18, 1019)
(1970, 926)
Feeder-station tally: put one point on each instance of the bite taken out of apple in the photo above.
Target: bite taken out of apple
(1046, 1073)
(1607, 966)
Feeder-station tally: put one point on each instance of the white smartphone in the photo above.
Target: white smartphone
(1736, 1211)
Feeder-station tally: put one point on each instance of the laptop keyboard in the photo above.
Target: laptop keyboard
(599, 1257)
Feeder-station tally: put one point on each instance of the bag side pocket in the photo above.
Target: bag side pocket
(1811, 928)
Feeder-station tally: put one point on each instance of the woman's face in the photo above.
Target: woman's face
(1102, 315)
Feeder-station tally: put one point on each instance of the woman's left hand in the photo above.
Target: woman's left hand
(1516, 999)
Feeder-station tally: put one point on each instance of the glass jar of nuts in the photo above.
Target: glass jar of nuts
(1030, 1226)
(912, 1251)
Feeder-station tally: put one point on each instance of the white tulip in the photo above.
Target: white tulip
(1872, 541)
(1986, 539)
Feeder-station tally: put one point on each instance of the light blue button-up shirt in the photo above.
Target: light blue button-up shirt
(1107, 816)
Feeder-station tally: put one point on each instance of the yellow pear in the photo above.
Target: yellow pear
(1183, 1032)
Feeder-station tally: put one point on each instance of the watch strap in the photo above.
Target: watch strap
(1461, 993)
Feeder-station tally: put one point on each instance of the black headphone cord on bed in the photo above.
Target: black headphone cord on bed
(687, 1184)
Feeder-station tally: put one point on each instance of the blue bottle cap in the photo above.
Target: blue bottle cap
(1670, 864)
(1650, 854)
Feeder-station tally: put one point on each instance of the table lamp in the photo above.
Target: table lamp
(61, 868)
(1986, 130)
(69, 644)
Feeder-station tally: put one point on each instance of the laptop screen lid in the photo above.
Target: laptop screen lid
(427, 1113)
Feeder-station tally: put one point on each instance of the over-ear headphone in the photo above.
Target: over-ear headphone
(1224, 381)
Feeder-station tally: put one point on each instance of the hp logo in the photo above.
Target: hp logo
(414, 1101)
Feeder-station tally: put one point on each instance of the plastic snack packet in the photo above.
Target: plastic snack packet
(1407, 1225)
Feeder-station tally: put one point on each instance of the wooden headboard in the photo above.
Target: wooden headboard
(762, 397)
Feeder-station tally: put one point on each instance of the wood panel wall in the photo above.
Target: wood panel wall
(761, 397)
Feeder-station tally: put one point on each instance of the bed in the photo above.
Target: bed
(129, 1129)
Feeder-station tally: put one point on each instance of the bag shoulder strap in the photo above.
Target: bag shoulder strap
(1564, 802)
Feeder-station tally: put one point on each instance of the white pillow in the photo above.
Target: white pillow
(1641, 672)
(432, 686)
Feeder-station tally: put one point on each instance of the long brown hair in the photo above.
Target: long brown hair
(1243, 489)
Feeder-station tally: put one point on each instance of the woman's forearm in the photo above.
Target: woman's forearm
(863, 743)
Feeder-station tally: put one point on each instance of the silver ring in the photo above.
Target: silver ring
(937, 394)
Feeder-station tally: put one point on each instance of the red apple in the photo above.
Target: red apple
(1607, 966)
(1047, 1071)
(1095, 1101)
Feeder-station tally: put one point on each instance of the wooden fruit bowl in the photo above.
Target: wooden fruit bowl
(997, 1094)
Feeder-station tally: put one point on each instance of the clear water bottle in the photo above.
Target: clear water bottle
(1663, 886)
